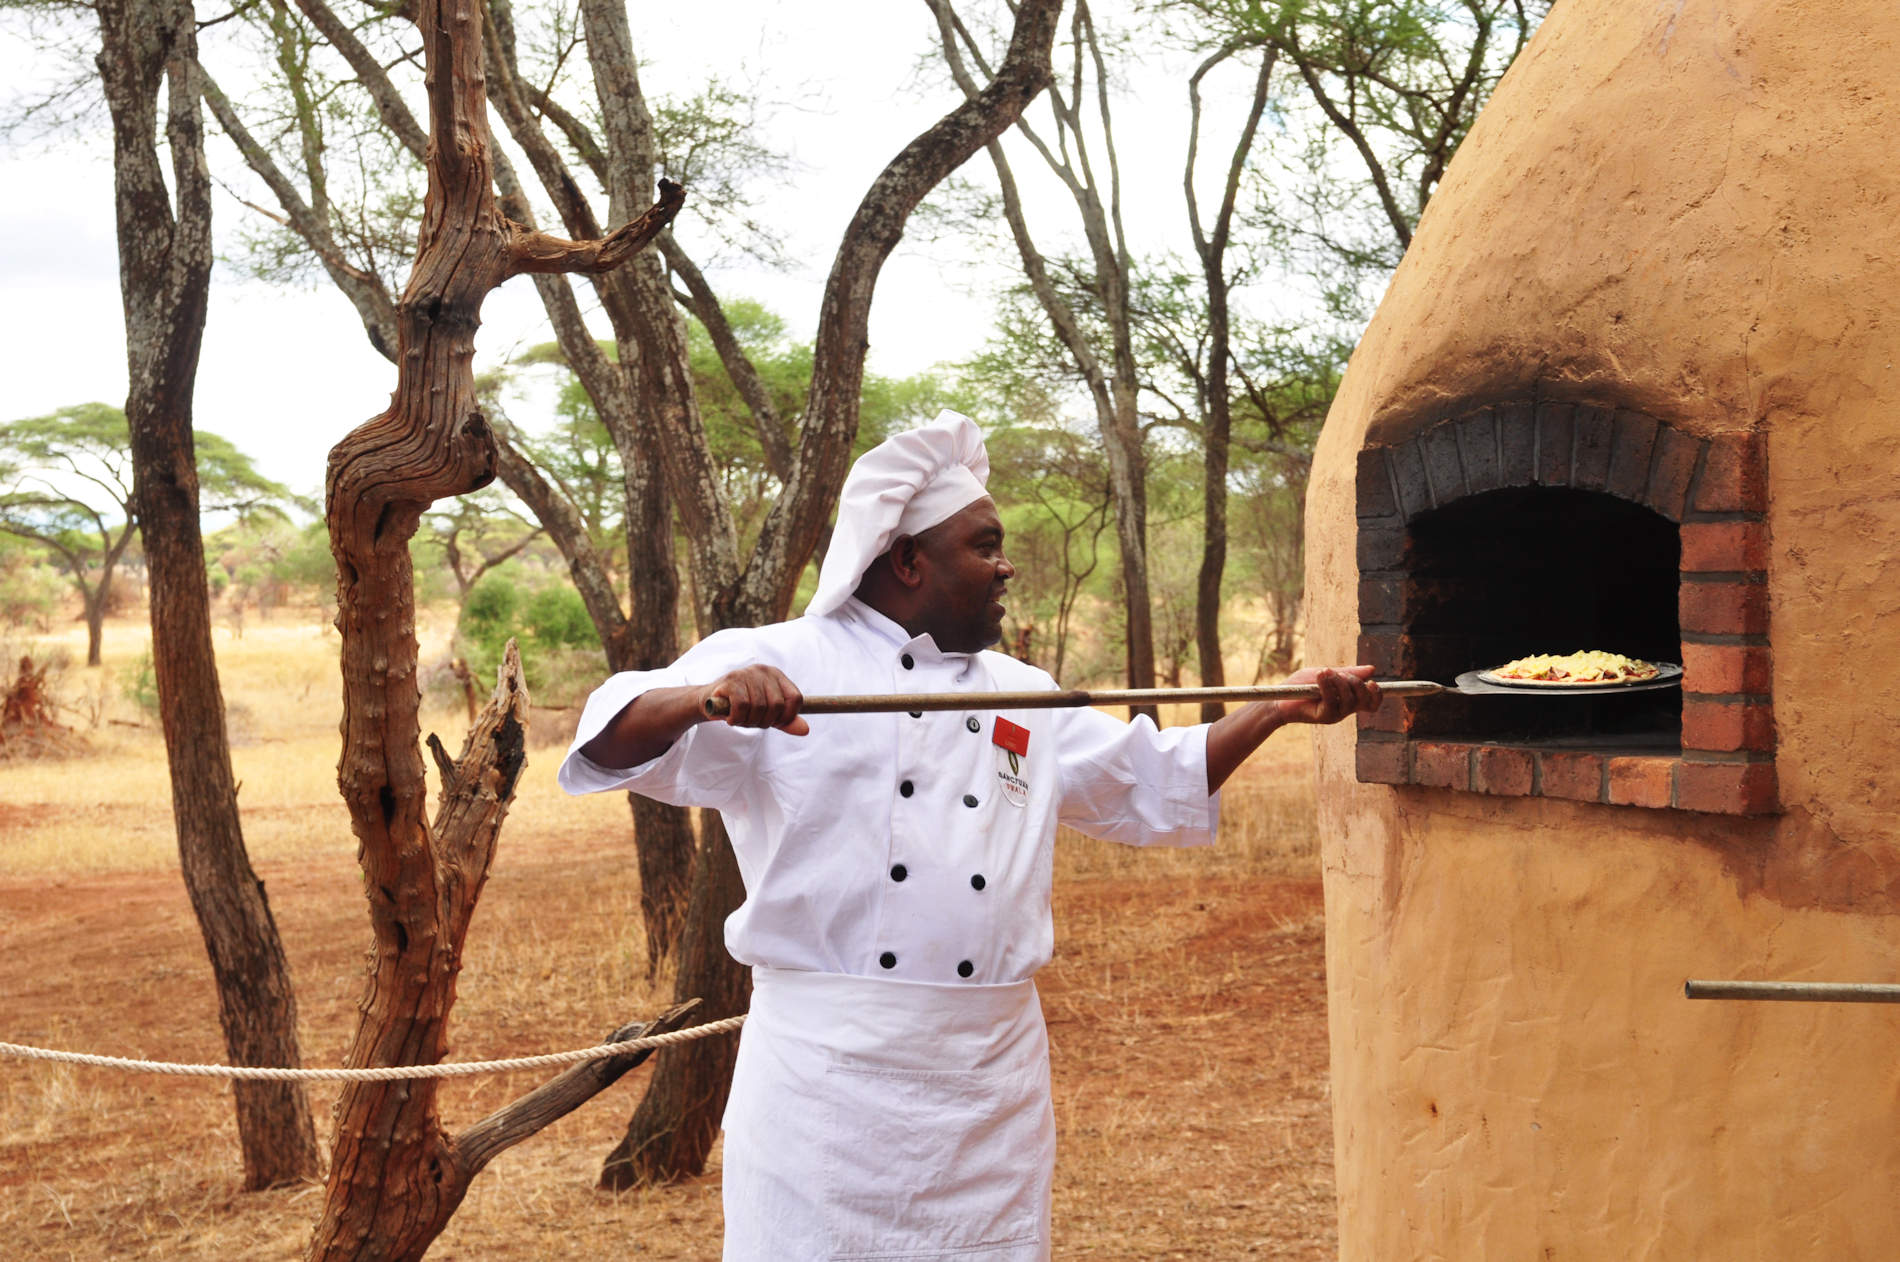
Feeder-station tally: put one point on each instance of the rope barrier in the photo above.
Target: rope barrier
(386, 1073)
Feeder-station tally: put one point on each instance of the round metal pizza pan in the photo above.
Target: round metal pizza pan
(1474, 681)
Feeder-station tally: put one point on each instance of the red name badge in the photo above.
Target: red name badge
(1009, 736)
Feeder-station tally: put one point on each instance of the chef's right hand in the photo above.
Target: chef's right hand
(759, 696)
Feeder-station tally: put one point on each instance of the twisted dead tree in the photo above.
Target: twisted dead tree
(396, 1176)
(646, 399)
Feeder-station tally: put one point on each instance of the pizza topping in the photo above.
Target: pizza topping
(1586, 667)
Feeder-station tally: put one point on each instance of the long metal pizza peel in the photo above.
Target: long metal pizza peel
(1074, 698)
(1069, 699)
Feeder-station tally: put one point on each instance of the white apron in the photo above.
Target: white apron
(887, 1119)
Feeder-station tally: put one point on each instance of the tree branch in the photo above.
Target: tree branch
(745, 377)
(1374, 168)
(532, 251)
(792, 527)
(365, 290)
(394, 110)
(501, 1130)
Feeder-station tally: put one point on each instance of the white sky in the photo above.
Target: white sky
(286, 372)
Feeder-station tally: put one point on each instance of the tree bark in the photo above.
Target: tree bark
(95, 608)
(395, 1175)
(165, 270)
(663, 836)
(1217, 432)
(674, 1127)
(628, 397)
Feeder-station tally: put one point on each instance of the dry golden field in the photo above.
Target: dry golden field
(1186, 1003)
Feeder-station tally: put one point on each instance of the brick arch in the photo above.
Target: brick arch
(1715, 490)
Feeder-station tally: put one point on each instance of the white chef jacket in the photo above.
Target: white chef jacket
(892, 835)
(908, 848)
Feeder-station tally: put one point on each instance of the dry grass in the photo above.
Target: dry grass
(1186, 1004)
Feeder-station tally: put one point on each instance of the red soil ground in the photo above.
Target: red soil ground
(1187, 1016)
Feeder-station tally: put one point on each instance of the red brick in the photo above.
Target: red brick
(1734, 476)
(1727, 726)
(1379, 599)
(1380, 762)
(1440, 765)
(1408, 471)
(1575, 776)
(1517, 445)
(1443, 464)
(1642, 781)
(1478, 444)
(1676, 457)
(1633, 442)
(1556, 426)
(1714, 546)
(1393, 716)
(1596, 430)
(1377, 498)
(1384, 652)
(1381, 550)
(1726, 669)
(1728, 607)
(1506, 772)
(1727, 788)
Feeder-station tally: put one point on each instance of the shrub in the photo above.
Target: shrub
(559, 648)
(139, 683)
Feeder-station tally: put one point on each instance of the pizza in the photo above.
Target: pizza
(1586, 667)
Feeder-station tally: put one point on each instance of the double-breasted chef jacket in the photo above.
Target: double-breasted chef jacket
(891, 1095)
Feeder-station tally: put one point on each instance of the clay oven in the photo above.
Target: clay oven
(1633, 388)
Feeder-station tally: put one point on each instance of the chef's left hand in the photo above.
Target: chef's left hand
(1343, 691)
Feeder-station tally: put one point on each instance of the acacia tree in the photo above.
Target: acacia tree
(1079, 106)
(56, 470)
(67, 483)
(1061, 474)
(1212, 393)
(478, 533)
(647, 400)
(147, 47)
(1380, 95)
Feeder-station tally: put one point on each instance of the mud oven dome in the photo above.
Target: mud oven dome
(1549, 527)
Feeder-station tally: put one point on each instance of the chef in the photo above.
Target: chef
(891, 1094)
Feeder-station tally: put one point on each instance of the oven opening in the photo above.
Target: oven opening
(1508, 573)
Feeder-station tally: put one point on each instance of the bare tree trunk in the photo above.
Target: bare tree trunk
(663, 836)
(165, 271)
(95, 608)
(1218, 429)
(673, 1130)
(1113, 386)
(396, 1176)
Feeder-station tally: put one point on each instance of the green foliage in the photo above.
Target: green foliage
(138, 681)
(709, 142)
(550, 627)
(29, 587)
(577, 454)
(267, 561)
(556, 617)
(1373, 99)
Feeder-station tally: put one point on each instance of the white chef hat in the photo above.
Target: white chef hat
(903, 486)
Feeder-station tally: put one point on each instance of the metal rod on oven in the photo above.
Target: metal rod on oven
(1796, 992)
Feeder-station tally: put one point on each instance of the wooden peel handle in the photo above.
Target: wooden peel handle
(1075, 698)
